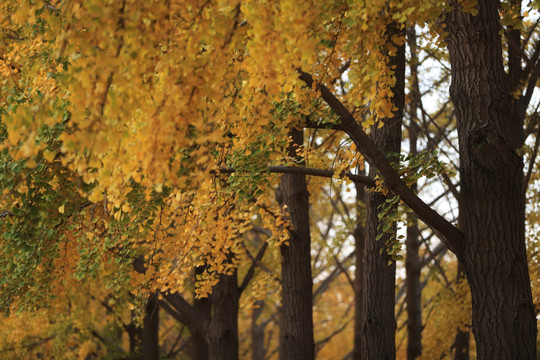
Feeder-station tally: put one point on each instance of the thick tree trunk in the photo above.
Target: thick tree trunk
(490, 131)
(296, 326)
(378, 324)
(223, 336)
(378, 287)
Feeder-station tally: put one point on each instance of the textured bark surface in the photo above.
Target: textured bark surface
(223, 332)
(378, 324)
(490, 130)
(378, 285)
(296, 326)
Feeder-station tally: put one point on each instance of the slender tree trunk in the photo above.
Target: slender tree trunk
(223, 336)
(461, 345)
(378, 319)
(133, 336)
(359, 243)
(412, 263)
(199, 346)
(257, 333)
(414, 290)
(296, 326)
(490, 130)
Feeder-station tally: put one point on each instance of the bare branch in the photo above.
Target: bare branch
(364, 180)
(182, 311)
(254, 264)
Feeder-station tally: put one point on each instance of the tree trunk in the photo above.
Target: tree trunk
(257, 333)
(144, 338)
(378, 291)
(412, 263)
(199, 346)
(150, 330)
(296, 326)
(461, 345)
(223, 336)
(490, 130)
(414, 290)
(359, 245)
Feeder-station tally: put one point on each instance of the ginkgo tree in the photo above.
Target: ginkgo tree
(169, 115)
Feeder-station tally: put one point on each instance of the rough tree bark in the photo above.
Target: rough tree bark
(296, 325)
(378, 324)
(490, 130)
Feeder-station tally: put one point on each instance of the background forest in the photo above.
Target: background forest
(263, 179)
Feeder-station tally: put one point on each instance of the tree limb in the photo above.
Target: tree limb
(178, 307)
(185, 313)
(451, 236)
(251, 271)
(364, 180)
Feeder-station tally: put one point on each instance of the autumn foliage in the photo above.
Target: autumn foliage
(142, 149)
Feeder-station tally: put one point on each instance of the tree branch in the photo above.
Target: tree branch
(451, 236)
(363, 180)
(251, 271)
(185, 313)
(178, 307)
(336, 271)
